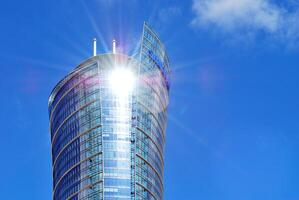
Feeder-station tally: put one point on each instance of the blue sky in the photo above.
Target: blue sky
(233, 131)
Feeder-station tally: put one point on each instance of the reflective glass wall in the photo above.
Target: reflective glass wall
(76, 136)
(107, 124)
(151, 111)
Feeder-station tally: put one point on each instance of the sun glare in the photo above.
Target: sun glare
(122, 81)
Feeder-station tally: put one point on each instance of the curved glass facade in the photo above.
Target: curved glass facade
(107, 124)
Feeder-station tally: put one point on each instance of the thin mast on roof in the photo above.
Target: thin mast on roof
(94, 46)
(114, 46)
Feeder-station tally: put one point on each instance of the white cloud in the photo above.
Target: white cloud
(251, 16)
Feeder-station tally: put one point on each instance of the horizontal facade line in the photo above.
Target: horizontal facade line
(71, 168)
(86, 187)
(160, 178)
(160, 153)
(81, 134)
(68, 117)
(66, 93)
(148, 190)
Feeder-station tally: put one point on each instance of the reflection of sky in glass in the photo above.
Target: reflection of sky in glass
(118, 88)
(130, 109)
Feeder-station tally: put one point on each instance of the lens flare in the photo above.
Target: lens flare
(122, 81)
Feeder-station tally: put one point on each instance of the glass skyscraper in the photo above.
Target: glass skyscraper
(107, 123)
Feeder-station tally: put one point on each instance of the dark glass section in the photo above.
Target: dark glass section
(75, 122)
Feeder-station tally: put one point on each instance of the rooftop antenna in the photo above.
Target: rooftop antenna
(94, 46)
(113, 46)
